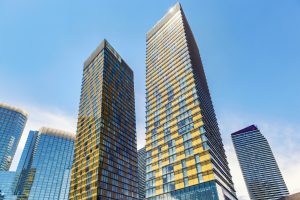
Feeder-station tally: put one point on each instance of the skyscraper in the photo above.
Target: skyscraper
(185, 154)
(259, 167)
(46, 166)
(105, 160)
(142, 172)
(12, 123)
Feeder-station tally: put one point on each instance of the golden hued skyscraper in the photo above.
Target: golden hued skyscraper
(105, 157)
(185, 157)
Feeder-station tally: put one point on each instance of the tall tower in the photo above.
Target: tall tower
(12, 123)
(105, 160)
(142, 172)
(260, 170)
(185, 154)
(45, 166)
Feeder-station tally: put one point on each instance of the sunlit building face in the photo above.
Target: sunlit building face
(105, 160)
(185, 157)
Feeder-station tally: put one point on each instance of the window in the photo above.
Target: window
(148, 160)
(199, 168)
(184, 172)
(171, 143)
(205, 146)
(186, 136)
(185, 129)
(188, 152)
(202, 129)
(148, 154)
(183, 163)
(154, 144)
(188, 144)
(153, 137)
(167, 169)
(159, 163)
(186, 182)
(172, 158)
(197, 158)
(172, 150)
(200, 178)
(203, 138)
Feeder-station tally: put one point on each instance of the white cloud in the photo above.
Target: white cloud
(140, 120)
(39, 117)
(140, 130)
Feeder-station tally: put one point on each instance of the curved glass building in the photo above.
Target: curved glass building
(259, 167)
(12, 123)
(45, 167)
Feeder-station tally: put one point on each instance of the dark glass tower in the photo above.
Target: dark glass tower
(185, 154)
(105, 160)
(12, 123)
(142, 172)
(260, 170)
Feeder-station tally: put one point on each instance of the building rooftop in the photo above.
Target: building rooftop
(163, 20)
(247, 129)
(57, 133)
(9, 107)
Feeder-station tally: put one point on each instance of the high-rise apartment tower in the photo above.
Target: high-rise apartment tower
(185, 154)
(105, 160)
(259, 167)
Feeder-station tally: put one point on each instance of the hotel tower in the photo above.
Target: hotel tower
(185, 157)
(259, 167)
(105, 157)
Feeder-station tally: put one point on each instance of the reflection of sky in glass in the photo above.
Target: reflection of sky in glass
(8, 182)
(51, 161)
(11, 127)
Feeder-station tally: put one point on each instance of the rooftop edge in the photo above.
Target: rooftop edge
(57, 132)
(13, 108)
(174, 9)
(247, 129)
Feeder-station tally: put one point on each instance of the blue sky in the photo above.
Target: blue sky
(250, 51)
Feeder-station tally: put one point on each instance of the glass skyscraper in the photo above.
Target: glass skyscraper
(8, 182)
(45, 165)
(12, 123)
(105, 160)
(259, 167)
(142, 172)
(185, 154)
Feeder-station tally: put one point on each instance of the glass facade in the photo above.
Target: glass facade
(259, 167)
(12, 123)
(8, 181)
(105, 160)
(184, 150)
(142, 172)
(45, 165)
